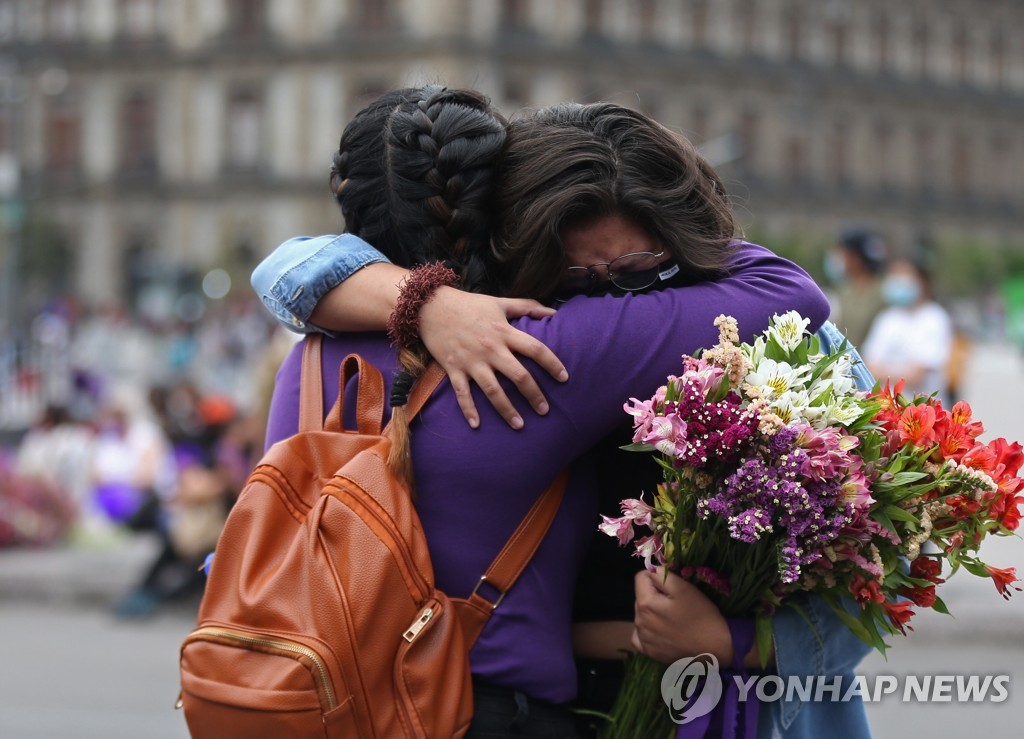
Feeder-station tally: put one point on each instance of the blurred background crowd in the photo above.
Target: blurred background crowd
(152, 151)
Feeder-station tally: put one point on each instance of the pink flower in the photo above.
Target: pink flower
(651, 549)
(635, 512)
(667, 435)
(620, 528)
(856, 488)
(703, 375)
(643, 413)
(827, 452)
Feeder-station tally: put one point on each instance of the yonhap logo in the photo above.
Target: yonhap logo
(691, 687)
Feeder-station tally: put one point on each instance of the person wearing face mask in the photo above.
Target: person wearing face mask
(912, 337)
(855, 266)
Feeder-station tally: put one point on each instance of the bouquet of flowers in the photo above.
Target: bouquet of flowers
(781, 476)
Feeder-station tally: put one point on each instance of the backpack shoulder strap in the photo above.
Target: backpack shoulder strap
(475, 610)
(311, 386)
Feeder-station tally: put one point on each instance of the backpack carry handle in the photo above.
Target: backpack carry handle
(369, 397)
(369, 393)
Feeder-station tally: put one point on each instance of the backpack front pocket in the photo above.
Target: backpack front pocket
(238, 684)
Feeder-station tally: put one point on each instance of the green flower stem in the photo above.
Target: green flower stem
(639, 710)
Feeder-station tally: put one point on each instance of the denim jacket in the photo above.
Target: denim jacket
(299, 272)
(302, 270)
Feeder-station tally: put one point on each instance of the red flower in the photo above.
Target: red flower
(864, 590)
(1003, 579)
(917, 425)
(981, 457)
(921, 596)
(955, 541)
(927, 568)
(961, 416)
(899, 614)
(1012, 514)
(1008, 460)
(954, 442)
(891, 406)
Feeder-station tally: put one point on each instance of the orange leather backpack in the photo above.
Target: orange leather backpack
(320, 616)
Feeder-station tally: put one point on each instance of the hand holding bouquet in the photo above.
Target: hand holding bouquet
(781, 476)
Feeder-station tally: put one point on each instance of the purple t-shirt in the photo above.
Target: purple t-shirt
(474, 486)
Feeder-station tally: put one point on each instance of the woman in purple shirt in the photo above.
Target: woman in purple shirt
(474, 486)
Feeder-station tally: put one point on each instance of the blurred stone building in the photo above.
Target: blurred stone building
(152, 135)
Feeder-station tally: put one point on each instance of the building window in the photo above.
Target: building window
(960, 161)
(922, 50)
(794, 32)
(961, 56)
(924, 156)
(699, 124)
(63, 19)
(8, 19)
(244, 130)
(839, 143)
(514, 14)
(63, 137)
(795, 163)
(366, 93)
(514, 87)
(138, 134)
(882, 41)
(1000, 154)
(593, 17)
(840, 32)
(139, 18)
(647, 18)
(376, 16)
(749, 131)
(883, 152)
(699, 23)
(746, 25)
(998, 51)
(248, 19)
(6, 130)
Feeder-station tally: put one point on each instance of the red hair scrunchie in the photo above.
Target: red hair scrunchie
(415, 291)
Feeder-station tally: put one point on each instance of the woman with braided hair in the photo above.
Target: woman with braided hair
(475, 482)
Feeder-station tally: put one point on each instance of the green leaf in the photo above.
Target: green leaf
(883, 519)
(637, 447)
(900, 514)
(763, 635)
(940, 606)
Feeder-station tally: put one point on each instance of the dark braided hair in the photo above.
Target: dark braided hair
(414, 176)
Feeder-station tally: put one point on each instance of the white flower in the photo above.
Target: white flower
(792, 406)
(788, 329)
(841, 413)
(755, 352)
(773, 379)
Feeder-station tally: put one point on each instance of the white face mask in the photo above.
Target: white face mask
(900, 290)
(835, 268)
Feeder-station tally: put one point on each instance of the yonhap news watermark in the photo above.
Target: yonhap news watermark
(693, 686)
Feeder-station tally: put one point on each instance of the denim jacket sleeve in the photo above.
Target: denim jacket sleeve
(814, 643)
(299, 272)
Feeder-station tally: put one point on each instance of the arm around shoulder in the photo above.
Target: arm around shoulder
(294, 278)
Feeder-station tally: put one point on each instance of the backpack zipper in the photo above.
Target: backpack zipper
(324, 677)
(417, 626)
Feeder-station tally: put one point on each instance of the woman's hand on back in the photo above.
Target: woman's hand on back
(470, 337)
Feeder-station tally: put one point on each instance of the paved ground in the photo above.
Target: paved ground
(68, 670)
